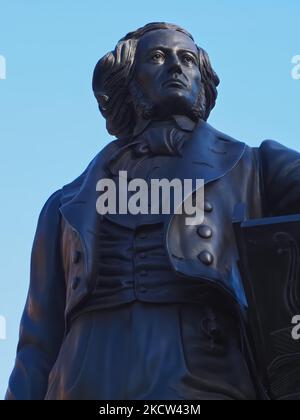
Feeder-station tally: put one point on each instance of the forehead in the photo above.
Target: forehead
(166, 38)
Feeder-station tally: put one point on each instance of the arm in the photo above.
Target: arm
(281, 178)
(42, 324)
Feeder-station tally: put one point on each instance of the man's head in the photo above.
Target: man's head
(153, 73)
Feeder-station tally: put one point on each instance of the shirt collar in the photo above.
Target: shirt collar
(182, 122)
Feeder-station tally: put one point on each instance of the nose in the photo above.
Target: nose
(175, 65)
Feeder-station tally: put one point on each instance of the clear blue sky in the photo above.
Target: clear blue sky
(50, 127)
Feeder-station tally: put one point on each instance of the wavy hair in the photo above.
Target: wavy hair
(114, 72)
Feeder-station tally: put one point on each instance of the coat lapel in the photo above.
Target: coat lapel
(208, 155)
(79, 204)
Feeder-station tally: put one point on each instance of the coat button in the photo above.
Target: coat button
(212, 329)
(143, 255)
(76, 257)
(206, 257)
(204, 231)
(208, 207)
(75, 282)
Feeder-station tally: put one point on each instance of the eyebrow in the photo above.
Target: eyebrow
(160, 47)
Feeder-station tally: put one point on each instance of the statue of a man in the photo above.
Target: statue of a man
(124, 306)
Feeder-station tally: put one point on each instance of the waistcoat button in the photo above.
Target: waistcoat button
(206, 257)
(208, 207)
(204, 231)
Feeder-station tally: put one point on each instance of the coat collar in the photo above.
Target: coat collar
(183, 122)
(208, 155)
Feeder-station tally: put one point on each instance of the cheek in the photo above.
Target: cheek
(196, 84)
(146, 77)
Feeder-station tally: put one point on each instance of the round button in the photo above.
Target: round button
(206, 257)
(204, 231)
(75, 282)
(215, 332)
(143, 255)
(208, 206)
(211, 329)
(76, 257)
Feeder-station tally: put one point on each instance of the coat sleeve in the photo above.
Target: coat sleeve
(280, 172)
(42, 323)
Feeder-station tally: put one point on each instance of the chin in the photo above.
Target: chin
(176, 103)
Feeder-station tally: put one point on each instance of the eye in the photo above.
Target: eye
(158, 57)
(188, 59)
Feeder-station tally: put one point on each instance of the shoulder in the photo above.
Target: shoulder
(268, 147)
(271, 149)
(50, 214)
(71, 189)
(273, 145)
(57, 198)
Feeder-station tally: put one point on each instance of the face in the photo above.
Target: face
(167, 71)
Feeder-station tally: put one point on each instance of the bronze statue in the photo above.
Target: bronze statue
(130, 307)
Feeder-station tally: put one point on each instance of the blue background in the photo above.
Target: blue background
(50, 127)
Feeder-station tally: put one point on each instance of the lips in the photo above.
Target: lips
(174, 83)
